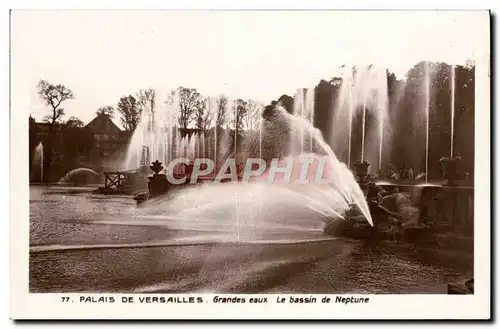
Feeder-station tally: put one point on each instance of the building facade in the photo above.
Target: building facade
(100, 145)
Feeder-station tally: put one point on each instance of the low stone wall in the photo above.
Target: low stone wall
(449, 209)
(436, 216)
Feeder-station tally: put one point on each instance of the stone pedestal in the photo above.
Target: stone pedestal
(361, 170)
(451, 170)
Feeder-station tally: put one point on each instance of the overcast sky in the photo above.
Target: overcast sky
(103, 55)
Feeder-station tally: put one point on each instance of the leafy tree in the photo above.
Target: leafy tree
(130, 112)
(74, 122)
(146, 100)
(77, 141)
(240, 110)
(287, 102)
(204, 114)
(221, 111)
(252, 118)
(325, 94)
(107, 110)
(188, 100)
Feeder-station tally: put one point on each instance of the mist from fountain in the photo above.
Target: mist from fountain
(155, 131)
(363, 130)
(303, 107)
(39, 159)
(249, 209)
(193, 141)
(157, 134)
(363, 91)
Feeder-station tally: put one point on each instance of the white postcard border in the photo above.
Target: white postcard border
(49, 306)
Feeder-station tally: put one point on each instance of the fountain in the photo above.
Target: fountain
(451, 169)
(157, 132)
(80, 176)
(427, 89)
(363, 91)
(283, 136)
(254, 203)
(303, 107)
(38, 159)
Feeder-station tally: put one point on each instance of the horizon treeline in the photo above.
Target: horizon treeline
(404, 132)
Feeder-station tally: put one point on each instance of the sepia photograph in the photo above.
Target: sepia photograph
(174, 154)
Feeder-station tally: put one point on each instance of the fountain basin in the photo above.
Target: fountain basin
(461, 288)
(440, 216)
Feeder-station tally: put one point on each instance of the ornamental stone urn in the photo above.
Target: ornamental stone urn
(361, 170)
(158, 183)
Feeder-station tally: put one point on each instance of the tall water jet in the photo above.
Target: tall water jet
(181, 153)
(299, 110)
(155, 130)
(363, 91)
(427, 105)
(202, 146)
(248, 209)
(261, 122)
(310, 112)
(215, 143)
(351, 112)
(236, 127)
(232, 108)
(383, 104)
(223, 138)
(303, 107)
(39, 159)
(179, 147)
(381, 138)
(452, 110)
(193, 142)
(363, 131)
(236, 212)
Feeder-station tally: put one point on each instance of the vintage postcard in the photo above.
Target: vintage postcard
(250, 164)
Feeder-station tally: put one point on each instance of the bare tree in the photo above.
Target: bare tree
(146, 100)
(220, 119)
(204, 114)
(240, 110)
(252, 118)
(54, 96)
(130, 112)
(188, 100)
(107, 110)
